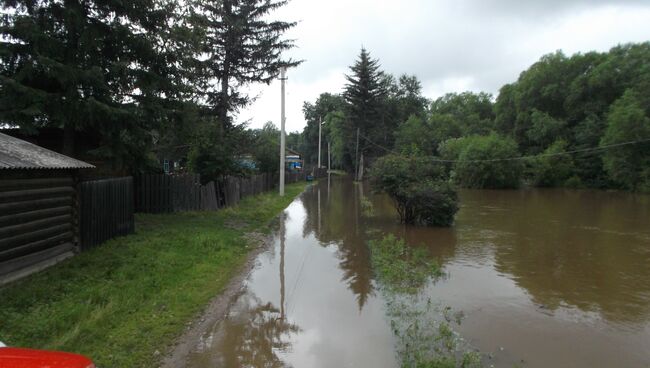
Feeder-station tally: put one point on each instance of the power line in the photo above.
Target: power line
(584, 150)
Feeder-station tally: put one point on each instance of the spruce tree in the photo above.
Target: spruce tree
(364, 94)
(242, 47)
(110, 68)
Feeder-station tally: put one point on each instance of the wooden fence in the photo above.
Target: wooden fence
(105, 209)
(159, 193)
(165, 193)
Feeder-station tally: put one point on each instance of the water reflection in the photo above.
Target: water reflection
(309, 301)
(583, 249)
(553, 277)
(343, 228)
(253, 336)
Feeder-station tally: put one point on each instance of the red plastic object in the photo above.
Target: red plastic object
(28, 358)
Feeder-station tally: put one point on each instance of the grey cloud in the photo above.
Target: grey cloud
(488, 42)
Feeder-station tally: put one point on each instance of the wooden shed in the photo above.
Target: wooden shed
(38, 207)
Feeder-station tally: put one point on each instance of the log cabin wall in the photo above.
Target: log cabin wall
(38, 220)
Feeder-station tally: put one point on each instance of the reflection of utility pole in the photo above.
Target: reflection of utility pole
(329, 157)
(360, 175)
(356, 210)
(329, 182)
(320, 129)
(361, 189)
(282, 312)
(283, 78)
(356, 159)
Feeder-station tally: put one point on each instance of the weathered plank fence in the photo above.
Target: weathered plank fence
(106, 210)
(161, 193)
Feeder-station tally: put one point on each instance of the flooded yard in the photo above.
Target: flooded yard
(544, 278)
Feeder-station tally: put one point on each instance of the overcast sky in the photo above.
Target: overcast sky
(451, 45)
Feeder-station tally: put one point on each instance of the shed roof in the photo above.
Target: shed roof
(293, 152)
(19, 154)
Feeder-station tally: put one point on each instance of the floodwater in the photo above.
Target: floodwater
(545, 278)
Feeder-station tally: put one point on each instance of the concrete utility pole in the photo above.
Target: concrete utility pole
(320, 129)
(283, 78)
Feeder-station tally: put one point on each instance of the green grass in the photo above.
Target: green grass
(121, 302)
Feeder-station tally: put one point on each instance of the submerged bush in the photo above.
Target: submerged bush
(399, 267)
(428, 203)
(418, 188)
(424, 330)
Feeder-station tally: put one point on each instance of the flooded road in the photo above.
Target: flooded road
(545, 278)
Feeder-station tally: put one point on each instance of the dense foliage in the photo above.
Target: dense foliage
(484, 161)
(142, 77)
(241, 46)
(373, 102)
(108, 67)
(628, 166)
(578, 121)
(418, 189)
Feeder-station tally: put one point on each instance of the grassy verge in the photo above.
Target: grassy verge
(123, 301)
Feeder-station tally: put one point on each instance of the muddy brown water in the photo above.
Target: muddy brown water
(545, 278)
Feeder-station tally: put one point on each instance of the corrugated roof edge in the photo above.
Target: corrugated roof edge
(17, 154)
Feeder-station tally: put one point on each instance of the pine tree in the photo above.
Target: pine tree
(364, 94)
(111, 68)
(242, 47)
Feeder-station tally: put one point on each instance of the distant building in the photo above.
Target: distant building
(246, 162)
(293, 160)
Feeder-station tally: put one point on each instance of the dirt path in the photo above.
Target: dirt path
(218, 307)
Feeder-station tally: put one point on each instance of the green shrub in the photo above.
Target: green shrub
(484, 161)
(627, 121)
(574, 182)
(429, 203)
(418, 188)
(553, 171)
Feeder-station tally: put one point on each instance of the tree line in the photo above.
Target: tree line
(574, 121)
(140, 76)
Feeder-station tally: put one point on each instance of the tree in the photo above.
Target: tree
(544, 130)
(455, 115)
(550, 169)
(409, 99)
(109, 68)
(569, 98)
(415, 135)
(339, 135)
(473, 112)
(627, 121)
(316, 113)
(214, 154)
(266, 148)
(418, 188)
(242, 46)
(363, 95)
(403, 99)
(484, 161)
